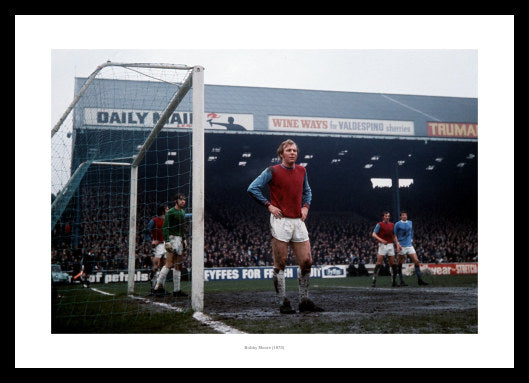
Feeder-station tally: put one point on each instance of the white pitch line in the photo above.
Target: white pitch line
(201, 317)
(99, 291)
(216, 325)
(454, 290)
(164, 305)
(369, 288)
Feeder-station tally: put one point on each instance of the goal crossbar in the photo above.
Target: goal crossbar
(94, 75)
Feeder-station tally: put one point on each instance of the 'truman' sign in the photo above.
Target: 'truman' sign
(452, 129)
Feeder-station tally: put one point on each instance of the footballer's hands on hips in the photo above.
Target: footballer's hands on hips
(276, 212)
(304, 213)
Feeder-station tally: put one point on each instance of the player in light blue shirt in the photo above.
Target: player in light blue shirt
(403, 230)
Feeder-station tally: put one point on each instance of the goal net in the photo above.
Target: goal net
(131, 139)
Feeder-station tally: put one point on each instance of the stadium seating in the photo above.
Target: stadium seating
(442, 203)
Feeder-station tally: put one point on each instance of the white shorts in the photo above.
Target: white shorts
(288, 229)
(177, 243)
(407, 250)
(386, 249)
(159, 250)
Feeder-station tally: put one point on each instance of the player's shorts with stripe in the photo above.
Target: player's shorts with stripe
(386, 249)
(407, 250)
(288, 229)
(177, 243)
(159, 250)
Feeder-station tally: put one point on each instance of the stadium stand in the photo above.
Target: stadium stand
(441, 202)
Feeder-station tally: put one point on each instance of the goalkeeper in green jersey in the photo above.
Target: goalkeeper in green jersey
(174, 230)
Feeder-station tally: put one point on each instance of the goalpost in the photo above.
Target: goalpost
(113, 122)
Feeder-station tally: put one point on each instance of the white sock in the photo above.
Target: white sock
(155, 278)
(279, 283)
(161, 277)
(304, 282)
(176, 279)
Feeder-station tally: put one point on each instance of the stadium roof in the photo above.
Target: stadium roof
(261, 103)
(315, 103)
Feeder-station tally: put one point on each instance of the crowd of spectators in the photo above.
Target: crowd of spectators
(237, 234)
(102, 233)
(240, 236)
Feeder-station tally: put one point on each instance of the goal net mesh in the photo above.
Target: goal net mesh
(93, 147)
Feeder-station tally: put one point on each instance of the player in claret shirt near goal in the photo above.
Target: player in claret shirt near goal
(154, 235)
(383, 233)
(290, 197)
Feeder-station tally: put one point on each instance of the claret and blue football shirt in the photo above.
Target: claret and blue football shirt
(289, 189)
(385, 231)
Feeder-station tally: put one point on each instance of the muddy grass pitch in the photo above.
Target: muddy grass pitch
(353, 309)
(448, 305)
